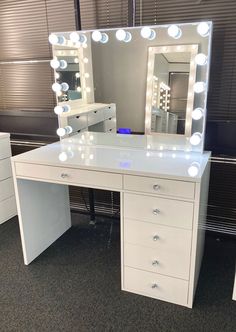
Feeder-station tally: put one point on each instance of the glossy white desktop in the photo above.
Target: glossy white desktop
(163, 205)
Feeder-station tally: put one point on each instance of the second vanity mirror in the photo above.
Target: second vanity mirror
(151, 80)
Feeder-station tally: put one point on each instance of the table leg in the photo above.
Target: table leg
(44, 215)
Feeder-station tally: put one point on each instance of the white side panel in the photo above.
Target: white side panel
(5, 149)
(44, 215)
(7, 209)
(5, 169)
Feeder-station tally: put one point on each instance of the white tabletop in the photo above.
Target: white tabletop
(116, 153)
(4, 135)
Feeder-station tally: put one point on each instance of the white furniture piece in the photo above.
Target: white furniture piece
(163, 205)
(7, 195)
(90, 117)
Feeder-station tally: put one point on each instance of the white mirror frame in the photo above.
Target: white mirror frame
(192, 49)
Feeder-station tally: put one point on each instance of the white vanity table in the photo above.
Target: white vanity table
(163, 205)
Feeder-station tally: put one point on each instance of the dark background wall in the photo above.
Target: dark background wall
(26, 100)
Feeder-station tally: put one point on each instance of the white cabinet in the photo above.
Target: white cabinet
(7, 196)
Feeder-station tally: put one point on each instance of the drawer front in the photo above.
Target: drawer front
(78, 122)
(7, 209)
(109, 124)
(164, 261)
(95, 117)
(160, 186)
(6, 189)
(157, 286)
(69, 176)
(110, 112)
(157, 210)
(5, 169)
(147, 243)
(5, 148)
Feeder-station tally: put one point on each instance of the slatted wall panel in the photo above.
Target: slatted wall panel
(104, 13)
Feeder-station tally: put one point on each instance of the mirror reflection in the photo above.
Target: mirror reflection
(170, 92)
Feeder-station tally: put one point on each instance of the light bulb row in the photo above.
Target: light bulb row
(174, 31)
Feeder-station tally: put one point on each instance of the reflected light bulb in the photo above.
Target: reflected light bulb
(174, 31)
(201, 59)
(203, 29)
(196, 138)
(64, 86)
(86, 75)
(148, 33)
(74, 37)
(63, 156)
(85, 60)
(199, 87)
(54, 63)
(76, 60)
(96, 36)
(56, 87)
(197, 113)
(54, 39)
(77, 75)
(193, 169)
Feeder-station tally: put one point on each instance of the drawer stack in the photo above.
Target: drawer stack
(157, 237)
(100, 119)
(7, 196)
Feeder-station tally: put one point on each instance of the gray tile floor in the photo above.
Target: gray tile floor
(75, 286)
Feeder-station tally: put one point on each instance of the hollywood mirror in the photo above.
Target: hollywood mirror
(155, 78)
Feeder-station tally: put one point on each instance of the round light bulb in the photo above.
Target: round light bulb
(193, 169)
(199, 87)
(62, 109)
(56, 87)
(54, 39)
(174, 31)
(85, 60)
(63, 64)
(77, 75)
(203, 29)
(148, 33)
(82, 38)
(86, 75)
(64, 131)
(57, 76)
(54, 63)
(196, 138)
(197, 113)
(74, 37)
(97, 36)
(76, 60)
(79, 89)
(123, 35)
(201, 59)
(88, 89)
(64, 86)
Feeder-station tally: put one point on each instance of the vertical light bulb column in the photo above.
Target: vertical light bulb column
(149, 90)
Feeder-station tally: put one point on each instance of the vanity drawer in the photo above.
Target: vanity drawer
(163, 260)
(109, 124)
(7, 209)
(162, 211)
(6, 189)
(69, 175)
(159, 186)
(157, 286)
(95, 117)
(5, 169)
(78, 122)
(110, 112)
(5, 149)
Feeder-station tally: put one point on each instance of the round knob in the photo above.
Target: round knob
(155, 237)
(156, 187)
(156, 211)
(155, 262)
(154, 285)
(64, 175)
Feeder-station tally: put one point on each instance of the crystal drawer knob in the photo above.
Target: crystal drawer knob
(156, 187)
(64, 175)
(156, 211)
(155, 262)
(154, 286)
(155, 237)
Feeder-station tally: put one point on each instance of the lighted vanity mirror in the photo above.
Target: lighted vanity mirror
(125, 68)
(170, 78)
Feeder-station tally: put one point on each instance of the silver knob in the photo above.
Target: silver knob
(64, 175)
(155, 237)
(156, 211)
(156, 187)
(155, 262)
(154, 285)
